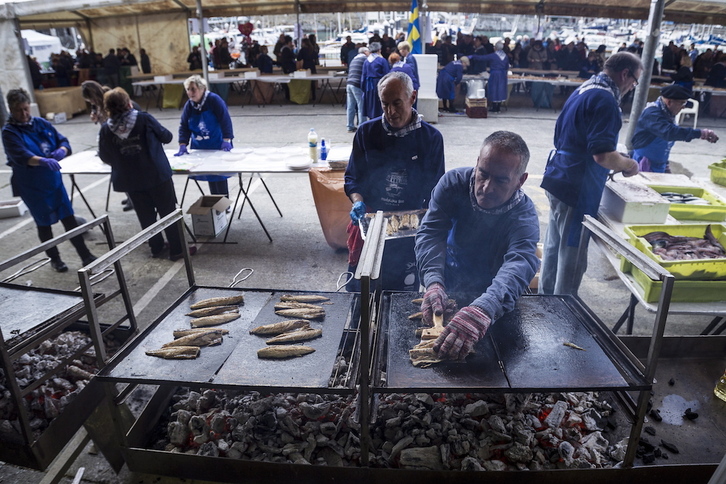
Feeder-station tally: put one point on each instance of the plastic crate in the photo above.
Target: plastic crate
(683, 291)
(715, 212)
(701, 269)
(718, 173)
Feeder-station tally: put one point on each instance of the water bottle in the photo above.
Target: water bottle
(720, 390)
(323, 150)
(313, 145)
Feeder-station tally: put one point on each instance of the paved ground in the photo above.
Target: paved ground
(299, 257)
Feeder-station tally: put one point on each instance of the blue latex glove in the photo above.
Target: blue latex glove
(466, 328)
(49, 163)
(226, 146)
(59, 154)
(182, 151)
(358, 211)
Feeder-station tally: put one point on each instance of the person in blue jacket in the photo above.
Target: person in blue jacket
(657, 131)
(131, 141)
(586, 139)
(479, 236)
(497, 89)
(33, 148)
(374, 68)
(205, 120)
(395, 162)
(447, 80)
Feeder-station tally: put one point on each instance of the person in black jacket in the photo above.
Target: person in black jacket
(132, 143)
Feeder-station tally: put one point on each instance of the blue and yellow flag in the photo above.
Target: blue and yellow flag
(414, 30)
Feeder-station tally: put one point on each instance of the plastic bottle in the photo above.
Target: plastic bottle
(323, 150)
(720, 390)
(313, 145)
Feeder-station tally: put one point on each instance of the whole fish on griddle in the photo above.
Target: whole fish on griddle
(281, 327)
(209, 337)
(302, 313)
(211, 311)
(178, 333)
(296, 305)
(176, 353)
(218, 301)
(285, 351)
(304, 298)
(214, 320)
(295, 336)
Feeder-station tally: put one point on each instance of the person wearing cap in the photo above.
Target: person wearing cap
(374, 68)
(657, 130)
(586, 139)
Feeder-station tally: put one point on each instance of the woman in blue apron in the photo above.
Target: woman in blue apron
(33, 148)
(205, 120)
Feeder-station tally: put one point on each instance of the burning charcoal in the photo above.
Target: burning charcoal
(208, 449)
(477, 409)
(495, 465)
(328, 428)
(316, 411)
(519, 453)
(331, 458)
(556, 415)
(669, 447)
(399, 447)
(421, 458)
(655, 415)
(425, 398)
(218, 423)
(566, 451)
(497, 424)
(671, 382)
(470, 464)
(649, 430)
(690, 415)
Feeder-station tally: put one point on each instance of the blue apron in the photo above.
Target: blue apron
(206, 135)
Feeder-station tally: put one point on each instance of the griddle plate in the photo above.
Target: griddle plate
(309, 371)
(529, 341)
(24, 308)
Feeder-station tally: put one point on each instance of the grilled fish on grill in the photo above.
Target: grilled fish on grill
(208, 337)
(218, 301)
(178, 333)
(295, 336)
(304, 298)
(296, 305)
(211, 311)
(281, 327)
(423, 355)
(176, 353)
(286, 351)
(213, 320)
(302, 313)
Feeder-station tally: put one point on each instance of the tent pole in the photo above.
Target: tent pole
(651, 44)
(205, 59)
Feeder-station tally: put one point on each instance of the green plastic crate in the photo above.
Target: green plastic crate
(702, 269)
(683, 291)
(716, 212)
(718, 173)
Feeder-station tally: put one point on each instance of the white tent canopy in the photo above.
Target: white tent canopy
(40, 46)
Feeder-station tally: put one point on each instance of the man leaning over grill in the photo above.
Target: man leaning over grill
(479, 236)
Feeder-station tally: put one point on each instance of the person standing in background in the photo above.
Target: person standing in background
(374, 68)
(345, 49)
(145, 62)
(111, 68)
(354, 93)
(195, 59)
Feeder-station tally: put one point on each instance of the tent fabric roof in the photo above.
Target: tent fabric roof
(38, 13)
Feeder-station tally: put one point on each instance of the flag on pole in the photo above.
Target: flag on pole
(414, 30)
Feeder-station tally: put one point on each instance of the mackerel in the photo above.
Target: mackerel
(213, 320)
(281, 327)
(295, 336)
(218, 301)
(286, 351)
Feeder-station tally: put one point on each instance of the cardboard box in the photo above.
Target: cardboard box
(56, 118)
(633, 203)
(12, 208)
(209, 216)
(301, 73)
(68, 100)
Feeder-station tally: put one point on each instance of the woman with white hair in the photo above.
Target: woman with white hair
(497, 91)
(374, 68)
(205, 120)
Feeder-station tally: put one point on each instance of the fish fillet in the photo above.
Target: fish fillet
(304, 298)
(178, 333)
(213, 320)
(281, 327)
(202, 338)
(295, 336)
(211, 311)
(423, 355)
(302, 313)
(218, 301)
(287, 351)
(176, 353)
(296, 305)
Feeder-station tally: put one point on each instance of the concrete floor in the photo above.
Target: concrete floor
(298, 257)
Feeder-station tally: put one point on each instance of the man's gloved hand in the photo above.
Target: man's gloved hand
(358, 211)
(466, 328)
(182, 151)
(709, 135)
(226, 146)
(434, 302)
(49, 163)
(59, 154)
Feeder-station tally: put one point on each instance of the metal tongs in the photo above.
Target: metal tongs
(237, 277)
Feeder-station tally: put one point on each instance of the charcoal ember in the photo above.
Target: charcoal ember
(178, 433)
(497, 424)
(519, 453)
(259, 407)
(494, 465)
(477, 409)
(655, 415)
(669, 447)
(567, 452)
(421, 458)
(206, 401)
(208, 449)
(268, 420)
(330, 457)
(554, 419)
(328, 428)
(315, 411)
(690, 415)
(425, 398)
(471, 464)
(198, 425)
(649, 430)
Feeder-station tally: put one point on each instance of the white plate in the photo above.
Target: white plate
(233, 156)
(299, 165)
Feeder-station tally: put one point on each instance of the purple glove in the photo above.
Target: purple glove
(182, 151)
(358, 211)
(59, 154)
(49, 163)
(434, 301)
(458, 338)
(226, 146)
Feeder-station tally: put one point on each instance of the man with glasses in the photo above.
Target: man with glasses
(586, 138)
(657, 130)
